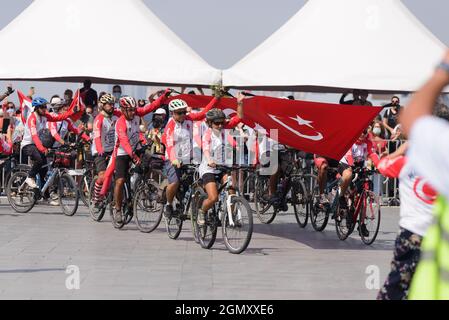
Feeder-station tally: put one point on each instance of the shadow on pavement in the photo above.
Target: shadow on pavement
(319, 240)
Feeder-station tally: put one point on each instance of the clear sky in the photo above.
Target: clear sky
(223, 42)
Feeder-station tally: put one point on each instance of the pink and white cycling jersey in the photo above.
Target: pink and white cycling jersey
(104, 133)
(214, 145)
(129, 143)
(359, 152)
(178, 137)
(417, 195)
(35, 124)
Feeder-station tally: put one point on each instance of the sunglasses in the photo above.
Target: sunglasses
(220, 123)
(131, 109)
(181, 113)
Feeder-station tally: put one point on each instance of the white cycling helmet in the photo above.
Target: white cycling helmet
(177, 104)
(161, 112)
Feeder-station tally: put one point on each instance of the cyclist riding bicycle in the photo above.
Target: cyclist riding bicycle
(32, 145)
(178, 138)
(127, 138)
(103, 140)
(356, 156)
(214, 143)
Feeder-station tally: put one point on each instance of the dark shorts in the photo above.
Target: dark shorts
(407, 252)
(172, 174)
(211, 177)
(101, 162)
(122, 165)
(342, 167)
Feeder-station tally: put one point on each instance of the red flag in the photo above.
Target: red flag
(77, 100)
(321, 128)
(25, 106)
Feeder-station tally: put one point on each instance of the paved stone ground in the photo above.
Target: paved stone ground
(282, 262)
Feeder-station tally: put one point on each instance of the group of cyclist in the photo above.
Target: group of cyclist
(117, 140)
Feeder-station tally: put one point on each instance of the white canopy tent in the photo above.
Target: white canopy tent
(330, 46)
(118, 41)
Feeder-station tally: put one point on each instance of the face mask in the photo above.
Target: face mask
(377, 131)
(117, 95)
(157, 123)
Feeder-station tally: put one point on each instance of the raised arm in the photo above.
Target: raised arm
(153, 105)
(202, 115)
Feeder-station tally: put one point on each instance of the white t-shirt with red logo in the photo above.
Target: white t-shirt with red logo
(417, 195)
(429, 151)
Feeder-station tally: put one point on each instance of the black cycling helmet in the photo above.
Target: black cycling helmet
(215, 115)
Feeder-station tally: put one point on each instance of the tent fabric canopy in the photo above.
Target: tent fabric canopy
(118, 41)
(330, 46)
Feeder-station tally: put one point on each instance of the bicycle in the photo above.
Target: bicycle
(184, 201)
(23, 199)
(363, 207)
(232, 212)
(291, 189)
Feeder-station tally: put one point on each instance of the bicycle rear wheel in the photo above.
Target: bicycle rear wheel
(319, 214)
(21, 198)
(372, 218)
(68, 194)
(238, 232)
(300, 203)
(264, 208)
(148, 207)
(207, 233)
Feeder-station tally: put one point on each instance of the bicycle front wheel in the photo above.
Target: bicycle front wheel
(148, 207)
(300, 203)
(84, 187)
(96, 209)
(264, 208)
(238, 226)
(20, 196)
(198, 197)
(370, 218)
(173, 223)
(68, 195)
(319, 214)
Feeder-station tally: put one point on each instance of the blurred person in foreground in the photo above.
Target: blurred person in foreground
(429, 155)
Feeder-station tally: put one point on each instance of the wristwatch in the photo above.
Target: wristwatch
(443, 66)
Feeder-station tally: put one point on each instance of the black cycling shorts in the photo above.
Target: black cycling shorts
(122, 164)
(101, 162)
(211, 177)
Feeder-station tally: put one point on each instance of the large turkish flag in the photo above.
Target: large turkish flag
(320, 128)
